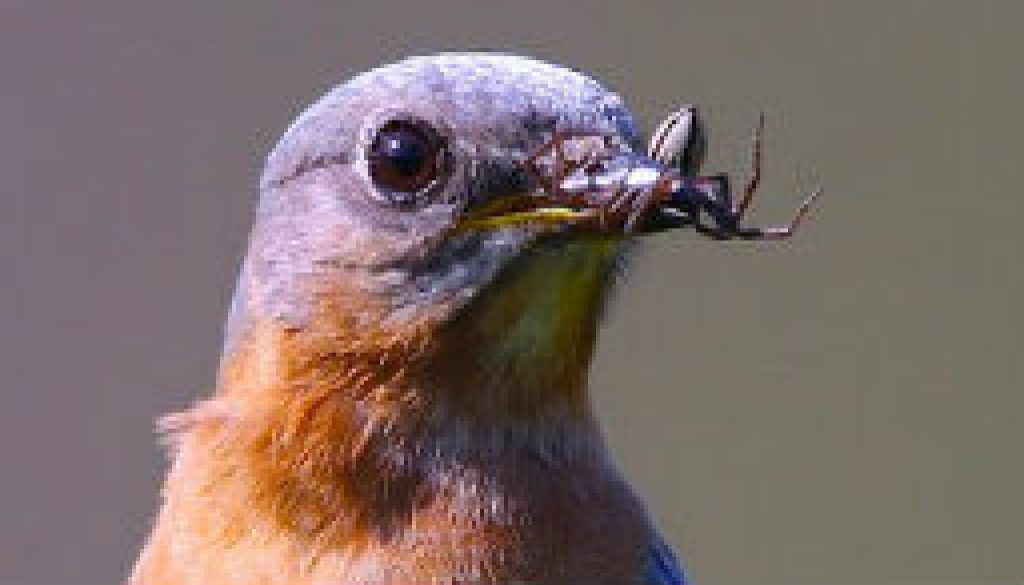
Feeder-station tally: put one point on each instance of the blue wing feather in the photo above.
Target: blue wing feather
(662, 567)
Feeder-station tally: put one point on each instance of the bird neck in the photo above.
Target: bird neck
(332, 434)
(450, 385)
(340, 447)
(332, 428)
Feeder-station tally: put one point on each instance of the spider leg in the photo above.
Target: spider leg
(715, 233)
(639, 205)
(754, 178)
(727, 217)
(711, 195)
(555, 146)
(666, 218)
(780, 232)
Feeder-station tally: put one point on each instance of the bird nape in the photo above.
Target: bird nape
(402, 395)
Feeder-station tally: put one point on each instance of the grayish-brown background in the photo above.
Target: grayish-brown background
(848, 408)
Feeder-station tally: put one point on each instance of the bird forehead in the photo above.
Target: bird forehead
(484, 90)
(482, 99)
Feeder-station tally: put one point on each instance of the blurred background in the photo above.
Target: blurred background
(844, 408)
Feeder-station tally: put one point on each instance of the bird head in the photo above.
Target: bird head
(408, 343)
(406, 220)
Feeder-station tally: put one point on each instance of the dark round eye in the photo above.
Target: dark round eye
(404, 158)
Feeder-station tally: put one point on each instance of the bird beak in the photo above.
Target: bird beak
(585, 184)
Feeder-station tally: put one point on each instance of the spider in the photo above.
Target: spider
(603, 184)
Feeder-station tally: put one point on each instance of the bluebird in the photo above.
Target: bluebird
(402, 395)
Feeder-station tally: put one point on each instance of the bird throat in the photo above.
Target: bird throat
(528, 338)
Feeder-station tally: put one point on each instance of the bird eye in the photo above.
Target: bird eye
(404, 158)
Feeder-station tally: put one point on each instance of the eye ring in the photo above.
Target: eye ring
(407, 159)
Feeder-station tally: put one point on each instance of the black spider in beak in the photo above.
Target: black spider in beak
(594, 183)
